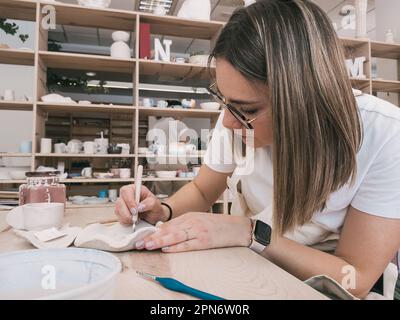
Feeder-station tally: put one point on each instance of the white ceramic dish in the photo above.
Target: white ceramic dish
(166, 174)
(211, 106)
(114, 238)
(81, 274)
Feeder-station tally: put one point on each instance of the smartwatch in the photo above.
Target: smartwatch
(261, 236)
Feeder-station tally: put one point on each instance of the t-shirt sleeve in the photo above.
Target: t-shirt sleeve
(379, 192)
(219, 155)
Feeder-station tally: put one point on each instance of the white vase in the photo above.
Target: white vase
(119, 49)
(361, 18)
(195, 9)
(389, 37)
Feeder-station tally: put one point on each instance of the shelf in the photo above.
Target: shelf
(89, 206)
(174, 26)
(111, 180)
(87, 62)
(171, 156)
(188, 113)
(76, 15)
(360, 84)
(166, 180)
(172, 71)
(87, 108)
(20, 10)
(386, 86)
(17, 57)
(353, 42)
(15, 155)
(81, 155)
(12, 181)
(16, 105)
(385, 50)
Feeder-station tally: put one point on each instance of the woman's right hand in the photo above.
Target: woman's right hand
(149, 208)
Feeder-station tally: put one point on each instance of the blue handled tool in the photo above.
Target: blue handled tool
(178, 286)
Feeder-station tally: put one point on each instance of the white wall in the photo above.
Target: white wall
(387, 17)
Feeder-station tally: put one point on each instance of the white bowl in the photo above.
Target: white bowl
(166, 174)
(17, 175)
(78, 274)
(211, 106)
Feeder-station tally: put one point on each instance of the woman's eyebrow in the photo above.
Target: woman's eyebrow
(239, 101)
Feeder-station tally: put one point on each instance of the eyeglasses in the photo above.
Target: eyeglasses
(244, 121)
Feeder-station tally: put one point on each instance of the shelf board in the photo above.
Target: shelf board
(353, 42)
(17, 56)
(89, 62)
(20, 10)
(76, 15)
(166, 180)
(111, 180)
(174, 26)
(173, 71)
(15, 155)
(81, 155)
(89, 206)
(385, 50)
(12, 181)
(189, 113)
(16, 105)
(87, 108)
(170, 156)
(360, 84)
(386, 86)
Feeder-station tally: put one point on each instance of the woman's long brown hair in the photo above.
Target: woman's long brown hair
(292, 48)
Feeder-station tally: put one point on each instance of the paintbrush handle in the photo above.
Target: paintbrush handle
(178, 286)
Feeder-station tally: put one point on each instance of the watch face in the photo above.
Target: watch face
(262, 233)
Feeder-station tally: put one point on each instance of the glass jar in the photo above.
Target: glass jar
(42, 187)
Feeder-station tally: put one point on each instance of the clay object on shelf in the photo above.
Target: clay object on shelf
(102, 4)
(4, 46)
(119, 49)
(195, 9)
(54, 97)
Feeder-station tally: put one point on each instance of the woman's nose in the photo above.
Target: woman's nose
(230, 122)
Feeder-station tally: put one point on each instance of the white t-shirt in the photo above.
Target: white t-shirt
(376, 190)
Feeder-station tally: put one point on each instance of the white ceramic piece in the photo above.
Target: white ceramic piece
(166, 174)
(63, 242)
(195, 9)
(200, 59)
(54, 97)
(211, 106)
(119, 49)
(17, 175)
(114, 238)
(36, 216)
(101, 4)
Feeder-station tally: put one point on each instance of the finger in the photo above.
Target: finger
(122, 212)
(127, 193)
(191, 245)
(157, 242)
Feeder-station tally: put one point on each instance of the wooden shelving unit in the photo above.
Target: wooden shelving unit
(136, 71)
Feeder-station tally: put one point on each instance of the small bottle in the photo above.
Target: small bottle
(389, 38)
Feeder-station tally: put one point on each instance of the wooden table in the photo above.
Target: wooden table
(232, 273)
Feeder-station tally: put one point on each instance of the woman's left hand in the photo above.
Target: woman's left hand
(199, 231)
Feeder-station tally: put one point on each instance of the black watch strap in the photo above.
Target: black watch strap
(169, 209)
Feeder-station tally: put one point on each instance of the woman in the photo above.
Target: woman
(326, 163)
